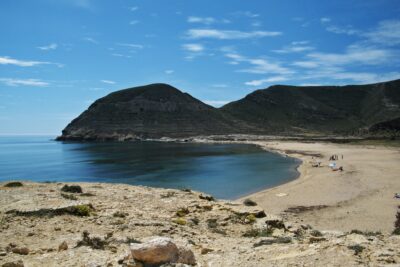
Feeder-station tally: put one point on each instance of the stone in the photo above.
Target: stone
(72, 189)
(21, 251)
(14, 264)
(63, 246)
(186, 256)
(206, 251)
(249, 202)
(158, 250)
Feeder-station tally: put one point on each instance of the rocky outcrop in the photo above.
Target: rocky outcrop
(168, 226)
(160, 110)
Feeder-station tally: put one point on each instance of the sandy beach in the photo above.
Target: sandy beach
(360, 197)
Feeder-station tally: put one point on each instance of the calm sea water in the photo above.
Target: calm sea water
(225, 171)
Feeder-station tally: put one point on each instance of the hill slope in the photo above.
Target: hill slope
(321, 109)
(160, 110)
(149, 111)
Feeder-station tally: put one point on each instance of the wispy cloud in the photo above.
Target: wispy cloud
(202, 20)
(133, 8)
(108, 81)
(295, 47)
(325, 19)
(91, 40)
(259, 65)
(273, 79)
(349, 30)
(51, 46)
(355, 54)
(387, 32)
(228, 34)
(169, 71)
(24, 63)
(133, 22)
(219, 85)
(120, 55)
(246, 14)
(193, 47)
(23, 82)
(134, 46)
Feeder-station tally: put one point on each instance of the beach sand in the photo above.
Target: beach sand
(360, 197)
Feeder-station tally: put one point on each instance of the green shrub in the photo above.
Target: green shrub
(258, 232)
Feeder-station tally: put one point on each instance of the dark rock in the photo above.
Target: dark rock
(72, 189)
(19, 263)
(270, 241)
(249, 202)
(21, 251)
(63, 246)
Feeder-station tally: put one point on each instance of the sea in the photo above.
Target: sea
(226, 171)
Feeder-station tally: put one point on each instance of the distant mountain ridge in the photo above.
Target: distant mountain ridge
(160, 110)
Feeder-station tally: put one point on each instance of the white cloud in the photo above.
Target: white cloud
(325, 19)
(202, 20)
(355, 54)
(169, 71)
(90, 40)
(135, 46)
(259, 65)
(51, 46)
(306, 64)
(133, 22)
(193, 47)
(216, 103)
(387, 33)
(24, 63)
(267, 80)
(295, 47)
(349, 30)
(228, 34)
(246, 14)
(120, 55)
(23, 82)
(354, 77)
(134, 8)
(108, 81)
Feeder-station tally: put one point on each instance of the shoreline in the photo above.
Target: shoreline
(352, 199)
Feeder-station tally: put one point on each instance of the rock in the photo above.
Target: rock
(156, 251)
(275, 223)
(63, 246)
(207, 197)
(21, 251)
(206, 251)
(315, 239)
(270, 241)
(3, 253)
(249, 202)
(186, 256)
(72, 189)
(14, 264)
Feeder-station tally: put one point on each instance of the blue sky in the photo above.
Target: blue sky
(58, 56)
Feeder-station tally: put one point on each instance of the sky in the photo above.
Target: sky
(59, 56)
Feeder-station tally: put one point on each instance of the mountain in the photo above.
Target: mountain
(160, 110)
(318, 109)
(150, 111)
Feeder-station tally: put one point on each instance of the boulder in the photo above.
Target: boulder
(156, 251)
(186, 256)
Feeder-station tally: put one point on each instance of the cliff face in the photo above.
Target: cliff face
(160, 110)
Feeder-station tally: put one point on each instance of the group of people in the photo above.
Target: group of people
(335, 157)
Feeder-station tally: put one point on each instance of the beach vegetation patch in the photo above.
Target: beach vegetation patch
(72, 189)
(13, 184)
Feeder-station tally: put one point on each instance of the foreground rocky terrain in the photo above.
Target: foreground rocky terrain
(48, 224)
